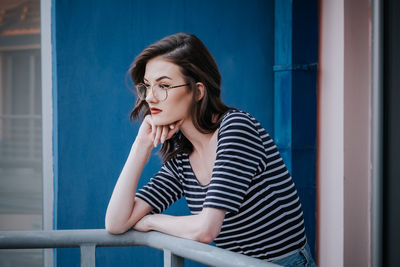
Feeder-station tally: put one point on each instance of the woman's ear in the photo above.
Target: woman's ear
(200, 91)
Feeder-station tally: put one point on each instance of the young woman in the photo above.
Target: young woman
(221, 159)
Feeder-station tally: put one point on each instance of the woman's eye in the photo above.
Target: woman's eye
(164, 86)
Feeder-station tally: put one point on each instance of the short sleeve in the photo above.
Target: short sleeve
(163, 189)
(239, 151)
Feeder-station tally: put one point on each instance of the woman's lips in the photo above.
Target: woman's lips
(155, 111)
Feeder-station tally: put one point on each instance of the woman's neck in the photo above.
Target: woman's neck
(200, 141)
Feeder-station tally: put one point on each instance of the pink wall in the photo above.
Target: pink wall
(344, 198)
(357, 125)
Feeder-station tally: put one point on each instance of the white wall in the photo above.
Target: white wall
(330, 171)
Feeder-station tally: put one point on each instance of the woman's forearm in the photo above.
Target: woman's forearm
(120, 215)
(181, 226)
(203, 227)
(124, 210)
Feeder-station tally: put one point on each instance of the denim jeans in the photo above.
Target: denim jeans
(299, 259)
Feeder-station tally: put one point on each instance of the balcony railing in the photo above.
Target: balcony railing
(175, 249)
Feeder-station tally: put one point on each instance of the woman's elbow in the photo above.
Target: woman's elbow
(205, 239)
(206, 236)
(115, 228)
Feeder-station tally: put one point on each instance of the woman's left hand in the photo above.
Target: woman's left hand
(143, 224)
(161, 133)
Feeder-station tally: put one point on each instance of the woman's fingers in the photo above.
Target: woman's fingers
(158, 135)
(173, 128)
(161, 133)
(164, 133)
(153, 128)
(146, 132)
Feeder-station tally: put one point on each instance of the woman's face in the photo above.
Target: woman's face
(179, 100)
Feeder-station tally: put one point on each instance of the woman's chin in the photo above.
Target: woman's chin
(162, 122)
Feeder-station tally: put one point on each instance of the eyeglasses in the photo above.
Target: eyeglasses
(159, 91)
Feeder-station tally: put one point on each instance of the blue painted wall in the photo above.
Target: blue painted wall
(96, 41)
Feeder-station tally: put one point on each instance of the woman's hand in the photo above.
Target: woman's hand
(155, 134)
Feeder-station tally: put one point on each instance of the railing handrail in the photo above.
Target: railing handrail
(20, 116)
(185, 248)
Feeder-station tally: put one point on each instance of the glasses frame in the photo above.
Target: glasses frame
(152, 90)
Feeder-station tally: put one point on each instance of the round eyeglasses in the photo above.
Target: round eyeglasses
(159, 91)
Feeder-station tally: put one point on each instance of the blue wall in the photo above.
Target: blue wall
(95, 42)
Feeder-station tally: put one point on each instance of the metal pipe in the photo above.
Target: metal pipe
(171, 260)
(377, 132)
(185, 248)
(88, 255)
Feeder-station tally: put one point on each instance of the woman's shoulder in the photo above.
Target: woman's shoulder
(238, 122)
(237, 116)
(239, 126)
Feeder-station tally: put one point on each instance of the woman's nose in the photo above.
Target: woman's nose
(150, 96)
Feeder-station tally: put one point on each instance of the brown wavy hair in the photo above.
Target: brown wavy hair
(196, 65)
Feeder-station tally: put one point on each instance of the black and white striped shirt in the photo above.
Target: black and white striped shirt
(264, 218)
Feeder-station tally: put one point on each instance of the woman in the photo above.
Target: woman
(238, 189)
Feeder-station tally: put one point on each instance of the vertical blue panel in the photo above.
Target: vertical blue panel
(283, 80)
(305, 51)
(283, 115)
(95, 43)
(283, 32)
(296, 43)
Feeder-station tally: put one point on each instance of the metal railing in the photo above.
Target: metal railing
(175, 249)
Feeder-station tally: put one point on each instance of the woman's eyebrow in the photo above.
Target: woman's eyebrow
(160, 78)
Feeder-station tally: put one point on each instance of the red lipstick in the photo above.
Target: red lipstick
(155, 111)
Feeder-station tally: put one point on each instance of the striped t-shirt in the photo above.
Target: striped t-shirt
(264, 218)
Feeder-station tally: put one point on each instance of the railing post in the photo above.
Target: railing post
(88, 255)
(172, 260)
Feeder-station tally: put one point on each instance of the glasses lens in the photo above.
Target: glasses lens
(141, 91)
(159, 93)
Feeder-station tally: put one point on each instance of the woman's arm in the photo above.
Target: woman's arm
(124, 209)
(239, 153)
(203, 227)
